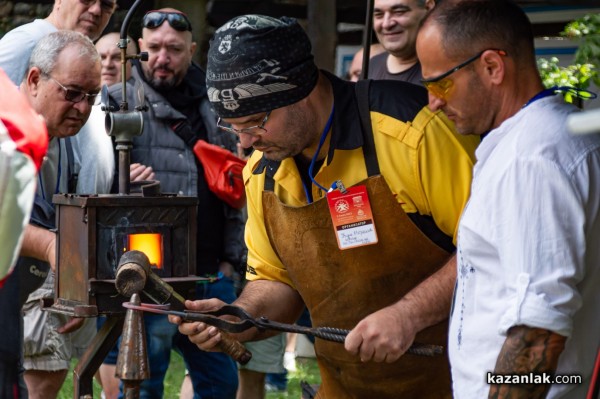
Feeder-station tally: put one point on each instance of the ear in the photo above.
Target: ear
(32, 81)
(429, 4)
(141, 44)
(193, 47)
(494, 64)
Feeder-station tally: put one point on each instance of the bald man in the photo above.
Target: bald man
(179, 114)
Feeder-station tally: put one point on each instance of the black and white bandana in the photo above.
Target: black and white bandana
(257, 64)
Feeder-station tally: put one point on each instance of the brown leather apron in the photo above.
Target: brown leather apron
(342, 287)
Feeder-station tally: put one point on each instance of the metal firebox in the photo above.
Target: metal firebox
(95, 231)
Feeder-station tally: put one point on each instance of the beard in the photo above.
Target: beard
(298, 133)
(162, 83)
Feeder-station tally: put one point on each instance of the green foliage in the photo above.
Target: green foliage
(307, 370)
(587, 29)
(584, 70)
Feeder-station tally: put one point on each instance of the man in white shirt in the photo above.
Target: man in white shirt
(526, 297)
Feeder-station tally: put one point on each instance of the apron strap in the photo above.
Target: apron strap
(364, 111)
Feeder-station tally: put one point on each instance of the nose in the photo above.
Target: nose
(388, 21)
(247, 140)
(95, 8)
(162, 57)
(83, 106)
(435, 103)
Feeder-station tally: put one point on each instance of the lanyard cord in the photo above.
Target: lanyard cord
(56, 189)
(312, 162)
(556, 89)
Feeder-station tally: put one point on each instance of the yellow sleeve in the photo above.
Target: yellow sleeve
(446, 161)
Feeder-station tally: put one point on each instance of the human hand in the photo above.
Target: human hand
(139, 172)
(382, 336)
(206, 337)
(72, 325)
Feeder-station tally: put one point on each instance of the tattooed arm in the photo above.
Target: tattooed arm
(527, 350)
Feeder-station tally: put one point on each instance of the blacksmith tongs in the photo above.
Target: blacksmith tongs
(246, 321)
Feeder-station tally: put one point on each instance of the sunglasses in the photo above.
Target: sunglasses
(75, 96)
(105, 5)
(440, 85)
(254, 131)
(177, 20)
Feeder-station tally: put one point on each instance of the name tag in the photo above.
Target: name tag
(352, 217)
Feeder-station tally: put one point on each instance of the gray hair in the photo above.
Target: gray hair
(45, 53)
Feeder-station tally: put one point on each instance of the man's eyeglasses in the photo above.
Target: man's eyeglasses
(440, 85)
(75, 96)
(105, 5)
(177, 20)
(255, 130)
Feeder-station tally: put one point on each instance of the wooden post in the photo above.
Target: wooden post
(322, 31)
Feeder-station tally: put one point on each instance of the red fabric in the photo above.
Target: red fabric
(223, 173)
(25, 127)
(594, 391)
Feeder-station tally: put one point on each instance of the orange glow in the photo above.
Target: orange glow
(150, 244)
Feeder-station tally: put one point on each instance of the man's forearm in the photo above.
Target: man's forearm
(429, 302)
(39, 243)
(275, 300)
(527, 350)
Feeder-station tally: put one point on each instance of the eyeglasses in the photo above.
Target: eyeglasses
(251, 130)
(440, 85)
(177, 20)
(105, 5)
(75, 96)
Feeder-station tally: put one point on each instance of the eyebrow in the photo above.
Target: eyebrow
(397, 7)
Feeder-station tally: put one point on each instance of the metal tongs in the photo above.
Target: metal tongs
(246, 321)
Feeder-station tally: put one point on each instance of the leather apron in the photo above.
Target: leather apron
(342, 287)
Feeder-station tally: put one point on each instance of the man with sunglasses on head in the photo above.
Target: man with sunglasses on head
(526, 301)
(354, 192)
(61, 84)
(179, 115)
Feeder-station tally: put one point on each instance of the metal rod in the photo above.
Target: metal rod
(367, 40)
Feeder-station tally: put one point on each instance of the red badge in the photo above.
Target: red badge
(352, 217)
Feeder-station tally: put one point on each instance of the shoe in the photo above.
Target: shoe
(289, 361)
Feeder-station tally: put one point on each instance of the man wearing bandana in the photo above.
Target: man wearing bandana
(353, 215)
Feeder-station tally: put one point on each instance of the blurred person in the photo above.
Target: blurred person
(88, 17)
(396, 23)
(307, 135)
(23, 144)
(526, 298)
(357, 61)
(93, 147)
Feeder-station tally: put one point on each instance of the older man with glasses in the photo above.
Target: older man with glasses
(88, 17)
(179, 114)
(61, 84)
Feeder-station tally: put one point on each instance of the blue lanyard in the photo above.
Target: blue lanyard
(56, 189)
(556, 89)
(540, 95)
(312, 162)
